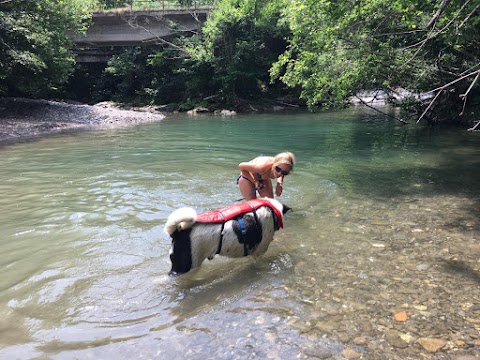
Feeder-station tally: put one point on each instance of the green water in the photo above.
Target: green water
(84, 257)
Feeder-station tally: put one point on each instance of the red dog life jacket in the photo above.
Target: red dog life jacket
(232, 211)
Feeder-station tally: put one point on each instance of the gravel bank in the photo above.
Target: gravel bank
(24, 118)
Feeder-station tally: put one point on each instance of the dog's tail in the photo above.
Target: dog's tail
(180, 219)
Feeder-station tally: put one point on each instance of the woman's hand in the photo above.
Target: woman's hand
(259, 185)
(278, 189)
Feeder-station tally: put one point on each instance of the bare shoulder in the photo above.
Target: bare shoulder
(263, 160)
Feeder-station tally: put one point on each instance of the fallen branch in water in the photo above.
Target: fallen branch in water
(381, 112)
(287, 104)
(283, 103)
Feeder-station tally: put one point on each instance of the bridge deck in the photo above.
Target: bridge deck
(137, 28)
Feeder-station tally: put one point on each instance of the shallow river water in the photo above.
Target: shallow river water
(378, 260)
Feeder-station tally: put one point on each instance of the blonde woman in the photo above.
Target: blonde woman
(257, 174)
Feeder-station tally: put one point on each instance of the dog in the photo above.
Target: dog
(238, 230)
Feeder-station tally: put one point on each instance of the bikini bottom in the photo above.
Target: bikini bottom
(242, 176)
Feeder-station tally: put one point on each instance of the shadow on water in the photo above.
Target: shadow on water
(381, 161)
(460, 268)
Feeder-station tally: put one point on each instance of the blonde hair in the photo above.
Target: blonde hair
(286, 158)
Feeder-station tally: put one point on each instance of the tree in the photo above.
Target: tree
(340, 47)
(242, 38)
(35, 55)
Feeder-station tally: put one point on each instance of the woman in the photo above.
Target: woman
(256, 175)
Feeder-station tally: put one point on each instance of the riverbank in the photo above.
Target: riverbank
(22, 118)
(26, 118)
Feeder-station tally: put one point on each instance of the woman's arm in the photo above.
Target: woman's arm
(248, 170)
(279, 188)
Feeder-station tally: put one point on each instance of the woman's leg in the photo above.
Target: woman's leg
(267, 190)
(247, 188)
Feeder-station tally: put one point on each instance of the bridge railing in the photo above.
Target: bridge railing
(156, 4)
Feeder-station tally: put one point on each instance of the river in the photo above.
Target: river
(379, 258)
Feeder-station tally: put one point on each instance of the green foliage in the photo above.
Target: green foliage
(340, 47)
(34, 46)
(329, 49)
(85, 84)
(113, 4)
(228, 61)
(149, 75)
(241, 40)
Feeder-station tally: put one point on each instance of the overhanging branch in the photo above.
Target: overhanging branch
(464, 96)
(454, 81)
(432, 33)
(439, 12)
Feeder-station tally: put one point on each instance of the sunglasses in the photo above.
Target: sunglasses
(283, 172)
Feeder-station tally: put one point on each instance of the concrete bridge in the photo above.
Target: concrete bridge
(111, 30)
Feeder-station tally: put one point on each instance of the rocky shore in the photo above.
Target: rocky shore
(25, 118)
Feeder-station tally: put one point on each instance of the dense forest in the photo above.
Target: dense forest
(318, 53)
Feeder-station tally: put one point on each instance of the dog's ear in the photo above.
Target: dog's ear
(285, 208)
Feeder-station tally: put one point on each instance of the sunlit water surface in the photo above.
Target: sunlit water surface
(84, 258)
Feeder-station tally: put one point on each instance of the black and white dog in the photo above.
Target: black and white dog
(238, 230)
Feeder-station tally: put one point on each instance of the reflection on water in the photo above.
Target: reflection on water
(84, 257)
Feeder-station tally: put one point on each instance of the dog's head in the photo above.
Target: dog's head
(285, 208)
